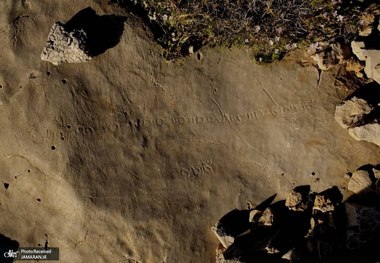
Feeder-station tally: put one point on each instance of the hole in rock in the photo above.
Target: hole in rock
(199, 56)
(6, 185)
(64, 81)
(53, 147)
(39, 199)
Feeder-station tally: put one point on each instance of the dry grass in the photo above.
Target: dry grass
(270, 27)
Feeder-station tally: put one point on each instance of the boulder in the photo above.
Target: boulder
(360, 181)
(64, 46)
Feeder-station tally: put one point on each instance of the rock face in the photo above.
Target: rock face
(142, 152)
(360, 118)
(65, 47)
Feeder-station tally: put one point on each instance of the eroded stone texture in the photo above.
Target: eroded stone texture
(323, 204)
(293, 200)
(360, 181)
(65, 47)
(369, 132)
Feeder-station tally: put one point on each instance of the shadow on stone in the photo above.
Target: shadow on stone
(103, 32)
(235, 222)
(267, 202)
(323, 228)
(7, 244)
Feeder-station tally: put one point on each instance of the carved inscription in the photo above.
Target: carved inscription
(226, 118)
(201, 119)
(198, 170)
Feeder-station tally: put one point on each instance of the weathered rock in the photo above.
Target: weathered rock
(267, 217)
(293, 200)
(371, 58)
(369, 132)
(65, 47)
(360, 181)
(351, 112)
(323, 204)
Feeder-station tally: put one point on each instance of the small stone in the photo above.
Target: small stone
(267, 217)
(323, 204)
(360, 181)
(293, 200)
(65, 46)
(272, 250)
(290, 255)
